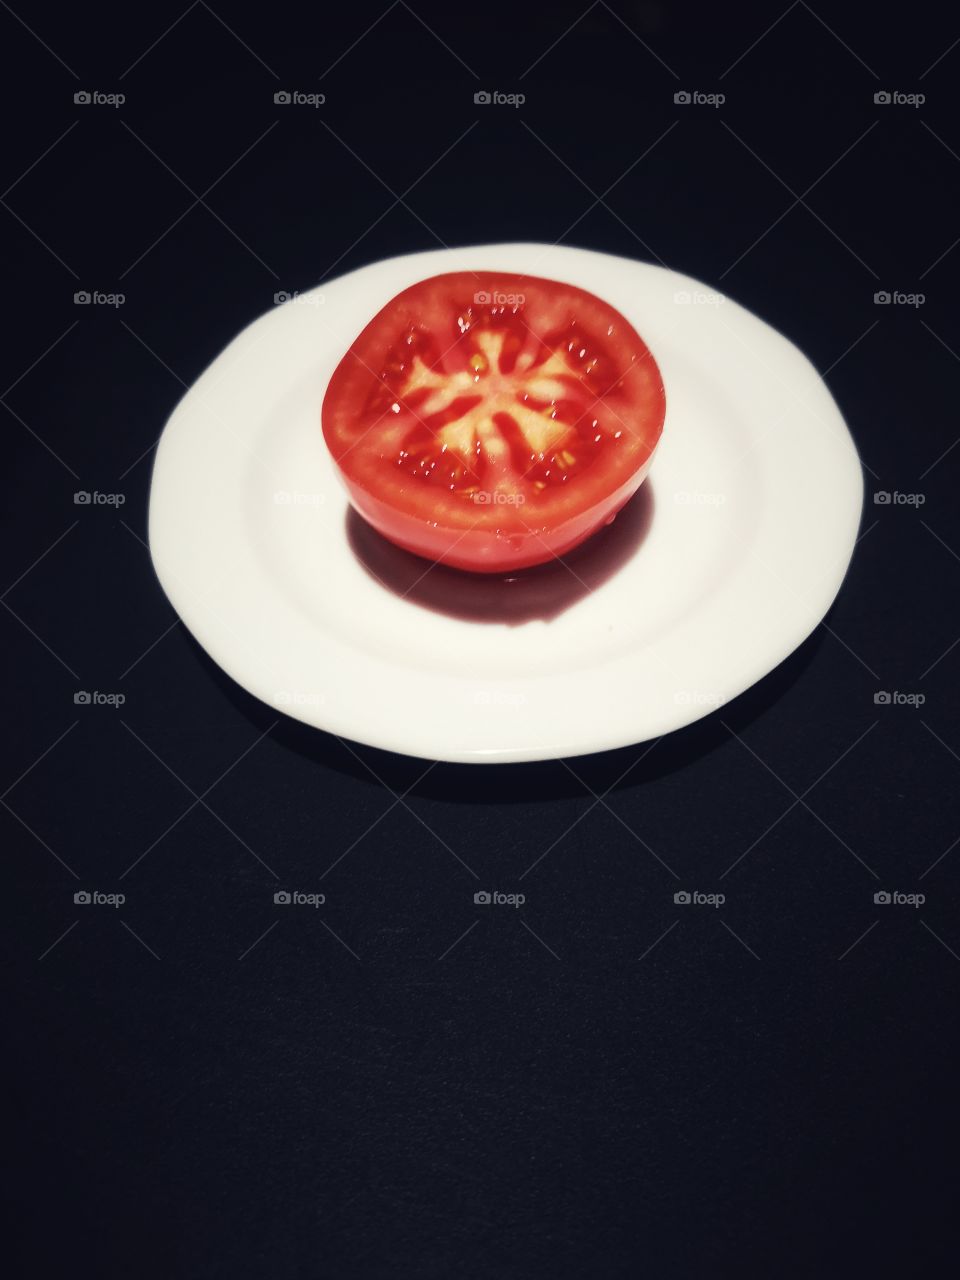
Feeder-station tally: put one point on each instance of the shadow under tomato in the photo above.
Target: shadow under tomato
(526, 595)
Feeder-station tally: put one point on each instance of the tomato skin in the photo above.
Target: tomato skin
(478, 550)
(467, 433)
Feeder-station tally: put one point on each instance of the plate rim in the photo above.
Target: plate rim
(407, 740)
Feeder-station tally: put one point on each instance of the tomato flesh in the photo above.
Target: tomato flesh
(492, 421)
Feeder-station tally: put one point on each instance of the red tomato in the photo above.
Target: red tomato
(492, 421)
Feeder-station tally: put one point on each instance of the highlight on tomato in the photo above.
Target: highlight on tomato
(493, 421)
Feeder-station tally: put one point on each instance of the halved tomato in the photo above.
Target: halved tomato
(493, 421)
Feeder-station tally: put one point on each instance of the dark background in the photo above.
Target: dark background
(205, 1084)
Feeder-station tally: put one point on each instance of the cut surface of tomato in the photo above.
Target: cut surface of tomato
(493, 421)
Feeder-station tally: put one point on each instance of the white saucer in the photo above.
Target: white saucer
(729, 556)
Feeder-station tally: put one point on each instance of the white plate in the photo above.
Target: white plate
(726, 560)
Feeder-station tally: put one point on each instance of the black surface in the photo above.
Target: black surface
(768, 1088)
